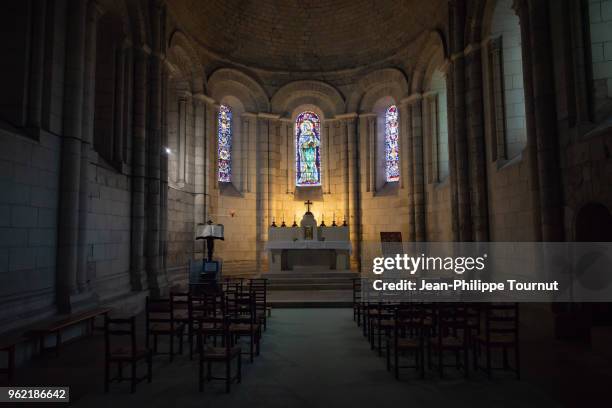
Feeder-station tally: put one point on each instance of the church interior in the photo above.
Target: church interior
(147, 145)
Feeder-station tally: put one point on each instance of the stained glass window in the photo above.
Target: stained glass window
(224, 144)
(392, 172)
(307, 149)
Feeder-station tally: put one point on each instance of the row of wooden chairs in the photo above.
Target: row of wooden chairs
(432, 331)
(216, 317)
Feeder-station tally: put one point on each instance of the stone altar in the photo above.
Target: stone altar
(309, 246)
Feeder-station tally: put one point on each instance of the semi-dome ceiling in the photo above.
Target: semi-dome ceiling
(306, 35)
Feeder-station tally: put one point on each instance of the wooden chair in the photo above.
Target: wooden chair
(180, 307)
(407, 336)
(160, 321)
(501, 332)
(357, 303)
(208, 306)
(242, 311)
(380, 324)
(211, 354)
(259, 287)
(451, 335)
(118, 352)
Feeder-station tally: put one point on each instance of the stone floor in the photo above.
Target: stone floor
(318, 358)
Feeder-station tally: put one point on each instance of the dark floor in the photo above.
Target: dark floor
(318, 358)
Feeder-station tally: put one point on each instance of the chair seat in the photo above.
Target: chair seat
(125, 354)
(181, 315)
(408, 343)
(447, 342)
(220, 353)
(165, 328)
(383, 323)
(243, 328)
(497, 339)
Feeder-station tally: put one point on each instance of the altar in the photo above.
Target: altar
(308, 245)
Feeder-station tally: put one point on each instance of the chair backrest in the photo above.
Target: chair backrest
(409, 318)
(391, 243)
(356, 290)
(205, 305)
(116, 330)
(501, 318)
(241, 307)
(452, 319)
(159, 311)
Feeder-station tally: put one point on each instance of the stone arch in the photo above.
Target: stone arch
(317, 93)
(227, 81)
(182, 61)
(376, 85)
(433, 56)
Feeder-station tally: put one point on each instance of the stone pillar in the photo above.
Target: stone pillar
(354, 216)
(163, 171)
(119, 106)
(407, 167)
(459, 120)
(418, 169)
(522, 11)
(36, 65)
(156, 279)
(199, 112)
(87, 142)
(70, 167)
(263, 183)
(137, 258)
(544, 110)
(476, 143)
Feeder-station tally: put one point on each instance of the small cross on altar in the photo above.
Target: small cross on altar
(308, 203)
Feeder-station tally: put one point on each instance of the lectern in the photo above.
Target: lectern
(210, 232)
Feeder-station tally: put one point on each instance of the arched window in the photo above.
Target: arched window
(392, 172)
(307, 149)
(224, 144)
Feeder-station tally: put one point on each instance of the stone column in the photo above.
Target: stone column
(522, 10)
(70, 167)
(119, 108)
(157, 282)
(36, 65)
(459, 120)
(407, 167)
(544, 110)
(199, 113)
(476, 143)
(89, 81)
(263, 177)
(418, 169)
(137, 258)
(353, 190)
(163, 167)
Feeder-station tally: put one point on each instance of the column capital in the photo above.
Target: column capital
(412, 99)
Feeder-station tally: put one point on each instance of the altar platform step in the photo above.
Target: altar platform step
(310, 281)
(289, 299)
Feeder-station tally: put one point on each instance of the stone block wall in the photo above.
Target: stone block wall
(108, 234)
(29, 174)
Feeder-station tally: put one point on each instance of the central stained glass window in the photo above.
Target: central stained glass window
(307, 149)
(391, 145)
(224, 144)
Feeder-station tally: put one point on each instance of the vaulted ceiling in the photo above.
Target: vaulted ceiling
(306, 35)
